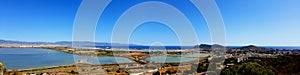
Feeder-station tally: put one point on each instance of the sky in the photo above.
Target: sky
(247, 22)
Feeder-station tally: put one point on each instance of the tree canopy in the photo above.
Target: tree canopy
(249, 68)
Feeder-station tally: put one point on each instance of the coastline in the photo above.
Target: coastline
(140, 55)
(43, 68)
(140, 60)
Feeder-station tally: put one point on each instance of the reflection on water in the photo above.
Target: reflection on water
(25, 58)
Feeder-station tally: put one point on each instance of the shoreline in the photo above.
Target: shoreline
(134, 55)
(200, 60)
(41, 68)
(138, 56)
(140, 60)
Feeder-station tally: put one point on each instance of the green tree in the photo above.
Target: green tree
(251, 68)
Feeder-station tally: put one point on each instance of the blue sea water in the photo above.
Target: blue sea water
(274, 47)
(25, 58)
(147, 47)
(190, 47)
(283, 47)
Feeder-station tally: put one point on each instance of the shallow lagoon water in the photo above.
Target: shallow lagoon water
(26, 58)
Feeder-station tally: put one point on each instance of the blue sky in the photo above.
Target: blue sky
(258, 22)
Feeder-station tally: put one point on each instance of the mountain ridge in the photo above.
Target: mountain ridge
(66, 43)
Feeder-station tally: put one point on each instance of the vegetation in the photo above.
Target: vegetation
(250, 68)
(283, 65)
(174, 53)
(73, 72)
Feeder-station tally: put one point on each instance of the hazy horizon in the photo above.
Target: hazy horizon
(247, 22)
(150, 45)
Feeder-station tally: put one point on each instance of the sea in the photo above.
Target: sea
(28, 58)
(274, 47)
(190, 47)
(149, 47)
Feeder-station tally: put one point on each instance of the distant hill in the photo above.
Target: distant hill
(20, 42)
(81, 43)
(251, 47)
(95, 43)
(206, 46)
